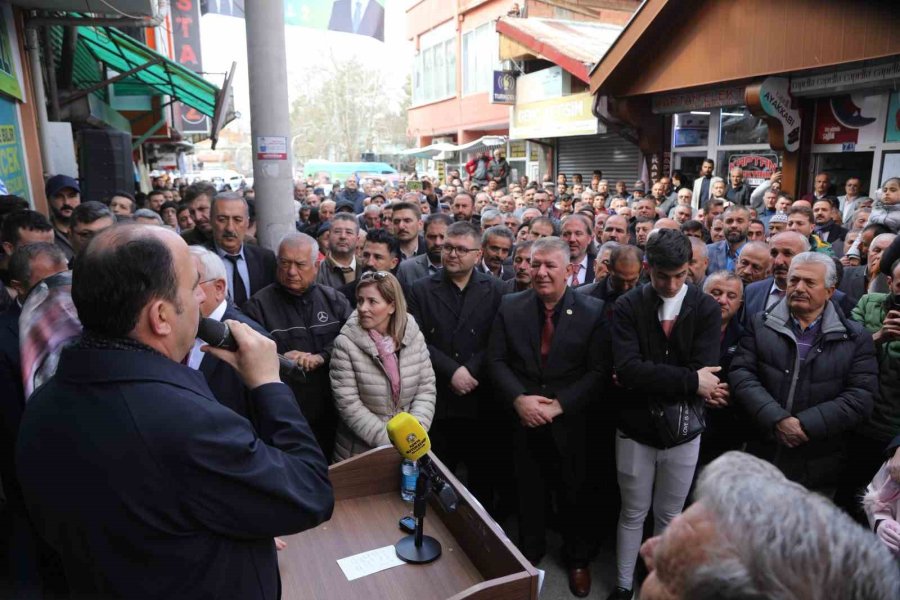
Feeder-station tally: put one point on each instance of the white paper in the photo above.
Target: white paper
(369, 562)
(540, 581)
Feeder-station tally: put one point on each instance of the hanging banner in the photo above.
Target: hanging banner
(892, 132)
(850, 119)
(771, 98)
(186, 43)
(361, 17)
(12, 158)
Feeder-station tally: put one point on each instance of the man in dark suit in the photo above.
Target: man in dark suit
(140, 446)
(364, 17)
(624, 273)
(381, 252)
(454, 310)
(249, 268)
(547, 361)
(577, 232)
(522, 268)
(411, 269)
(496, 243)
(223, 380)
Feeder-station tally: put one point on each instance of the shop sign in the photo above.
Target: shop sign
(548, 83)
(892, 132)
(504, 91)
(847, 79)
(701, 100)
(849, 119)
(558, 117)
(775, 100)
(12, 158)
(271, 147)
(9, 82)
(186, 44)
(757, 166)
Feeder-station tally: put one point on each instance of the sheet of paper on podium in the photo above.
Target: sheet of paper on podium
(366, 563)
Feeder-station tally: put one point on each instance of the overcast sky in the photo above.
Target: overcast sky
(223, 40)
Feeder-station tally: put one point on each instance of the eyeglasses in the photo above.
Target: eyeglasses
(375, 275)
(459, 250)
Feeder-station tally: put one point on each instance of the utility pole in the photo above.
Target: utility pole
(270, 125)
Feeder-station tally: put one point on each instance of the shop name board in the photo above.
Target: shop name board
(706, 99)
(757, 166)
(557, 117)
(847, 79)
(186, 46)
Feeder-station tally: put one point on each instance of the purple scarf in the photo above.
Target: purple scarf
(387, 354)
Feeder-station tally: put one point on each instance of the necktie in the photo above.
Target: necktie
(575, 281)
(239, 293)
(546, 335)
(778, 295)
(348, 273)
(357, 15)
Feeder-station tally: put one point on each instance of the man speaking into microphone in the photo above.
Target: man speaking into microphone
(144, 484)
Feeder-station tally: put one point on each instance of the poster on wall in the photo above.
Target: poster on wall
(757, 166)
(892, 131)
(9, 81)
(850, 120)
(12, 158)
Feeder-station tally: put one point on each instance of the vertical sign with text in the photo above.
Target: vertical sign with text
(186, 37)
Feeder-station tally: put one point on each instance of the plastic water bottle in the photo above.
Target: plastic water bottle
(409, 473)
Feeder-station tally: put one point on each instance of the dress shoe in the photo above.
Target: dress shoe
(620, 593)
(580, 581)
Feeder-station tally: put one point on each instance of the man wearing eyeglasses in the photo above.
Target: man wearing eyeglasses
(304, 318)
(454, 309)
(88, 220)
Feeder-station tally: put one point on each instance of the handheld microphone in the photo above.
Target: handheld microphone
(218, 335)
(411, 440)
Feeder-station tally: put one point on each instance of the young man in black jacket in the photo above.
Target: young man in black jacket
(666, 345)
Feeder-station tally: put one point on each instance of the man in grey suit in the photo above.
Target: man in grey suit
(411, 269)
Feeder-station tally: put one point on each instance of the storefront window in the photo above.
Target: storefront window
(739, 127)
(691, 129)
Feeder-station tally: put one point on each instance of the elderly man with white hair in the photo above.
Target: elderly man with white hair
(752, 534)
(223, 380)
(805, 375)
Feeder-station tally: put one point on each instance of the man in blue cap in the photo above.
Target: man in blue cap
(63, 195)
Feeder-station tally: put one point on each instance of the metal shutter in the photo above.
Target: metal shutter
(616, 157)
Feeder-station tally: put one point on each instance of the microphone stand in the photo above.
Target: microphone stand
(419, 548)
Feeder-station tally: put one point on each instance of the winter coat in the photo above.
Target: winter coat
(362, 391)
(885, 421)
(831, 392)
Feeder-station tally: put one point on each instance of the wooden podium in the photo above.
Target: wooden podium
(478, 560)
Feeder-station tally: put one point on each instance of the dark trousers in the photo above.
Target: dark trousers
(551, 459)
(864, 457)
(452, 440)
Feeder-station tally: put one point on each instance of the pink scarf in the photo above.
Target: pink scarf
(387, 353)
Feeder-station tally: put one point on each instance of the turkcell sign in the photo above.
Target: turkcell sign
(504, 88)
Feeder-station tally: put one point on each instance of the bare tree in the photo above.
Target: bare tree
(347, 113)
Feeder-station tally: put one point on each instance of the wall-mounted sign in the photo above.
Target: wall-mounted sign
(504, 88)
(849, 119)
(757, 166)
(846, 80)
(9, 81)
(704, 99)
(558, 117)
(771, 98)
(12, 160)
(892, 132)
(186, 44)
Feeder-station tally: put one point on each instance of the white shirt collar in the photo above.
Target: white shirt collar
(196, 356)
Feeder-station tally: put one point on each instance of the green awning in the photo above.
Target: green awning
(122, 54)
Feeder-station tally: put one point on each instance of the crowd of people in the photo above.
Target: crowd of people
(606, 343)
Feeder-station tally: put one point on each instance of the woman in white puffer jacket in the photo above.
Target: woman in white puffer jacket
(380, 366)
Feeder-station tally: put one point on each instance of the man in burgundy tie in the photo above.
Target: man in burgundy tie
(578, 233)
(546, 356)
